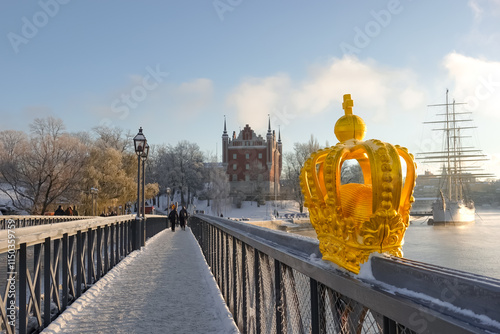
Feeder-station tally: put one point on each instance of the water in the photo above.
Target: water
(473, 248)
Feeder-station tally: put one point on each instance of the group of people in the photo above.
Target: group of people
(178, 218)
(68, 212)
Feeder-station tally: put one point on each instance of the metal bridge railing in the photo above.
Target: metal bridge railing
(50, 266)
(25, 221)
(273, 282)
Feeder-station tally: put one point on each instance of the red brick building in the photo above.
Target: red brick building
(252, 163)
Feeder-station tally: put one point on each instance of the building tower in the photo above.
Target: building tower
(269, 140)
(225, 145)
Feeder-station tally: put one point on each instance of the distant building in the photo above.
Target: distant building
(253, 163)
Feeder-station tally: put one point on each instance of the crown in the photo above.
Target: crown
(354, 220)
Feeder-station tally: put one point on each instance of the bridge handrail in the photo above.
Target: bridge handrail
(33, 220)
(32, 235)
(420, 297)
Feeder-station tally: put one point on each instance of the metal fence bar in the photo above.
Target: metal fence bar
(314, 306)
(235, 281)
(244, 287)
(99, 253)
(277, 294)
(227, 269)
(257, 278)
(107, 249)
(65, 271)
(22, 289)
(46, 283)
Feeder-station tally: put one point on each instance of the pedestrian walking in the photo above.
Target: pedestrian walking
(173, 216)
(183, 217)
(69, 211)
(59, 211)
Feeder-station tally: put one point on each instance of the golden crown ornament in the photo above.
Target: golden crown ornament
(354, 220)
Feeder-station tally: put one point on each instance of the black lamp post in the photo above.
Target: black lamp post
(144, 157)
(93, 192)
(140, 144)
(168, 199)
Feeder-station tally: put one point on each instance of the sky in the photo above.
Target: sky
(177, 68)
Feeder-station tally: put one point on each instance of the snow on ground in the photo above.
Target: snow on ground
(252, 211)
(166, 287)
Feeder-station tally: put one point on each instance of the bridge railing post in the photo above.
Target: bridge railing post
(65, 271)
(314, 306)
(46, 283)
(22, 288)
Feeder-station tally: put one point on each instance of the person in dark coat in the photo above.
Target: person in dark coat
(183, 217)
(69, 211)
(173, 216)
(59, 211)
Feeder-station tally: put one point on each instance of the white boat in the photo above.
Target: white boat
(453, 205)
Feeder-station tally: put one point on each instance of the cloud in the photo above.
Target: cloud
(375, 89)
(145, 98)
(189, 98)
(255, 98)
(483, 35)
(484, 8)
(476, 9)
(477, 82)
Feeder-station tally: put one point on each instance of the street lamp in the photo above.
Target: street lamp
(93, 192)
(144, 157)
(140, 143)
(168, 198)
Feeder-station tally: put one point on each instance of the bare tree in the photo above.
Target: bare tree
(43, 168)
(181, 168)
(293, 163)
(218, 188)
(112, 168)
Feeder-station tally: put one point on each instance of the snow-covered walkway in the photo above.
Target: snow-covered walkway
(166, 287)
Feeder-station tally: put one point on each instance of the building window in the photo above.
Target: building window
(235, 177)
(247, 178)
(260, 155)
(260, 177)
(247, 166)
(247, 156)
(234, 166)
(234, 156)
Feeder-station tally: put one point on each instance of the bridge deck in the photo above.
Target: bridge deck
(164, 288)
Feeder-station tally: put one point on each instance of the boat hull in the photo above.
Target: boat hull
(454, 213)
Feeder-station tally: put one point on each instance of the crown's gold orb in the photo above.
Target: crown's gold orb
(350, 127)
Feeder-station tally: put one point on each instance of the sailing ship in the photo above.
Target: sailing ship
(453, 204)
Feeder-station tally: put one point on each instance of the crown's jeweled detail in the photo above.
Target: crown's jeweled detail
(354, 220)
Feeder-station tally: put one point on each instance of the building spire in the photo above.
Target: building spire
(279, 133)
(225, 129)
(269, 126)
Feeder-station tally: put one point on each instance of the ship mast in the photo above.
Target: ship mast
(448, 165)
(454, 156)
